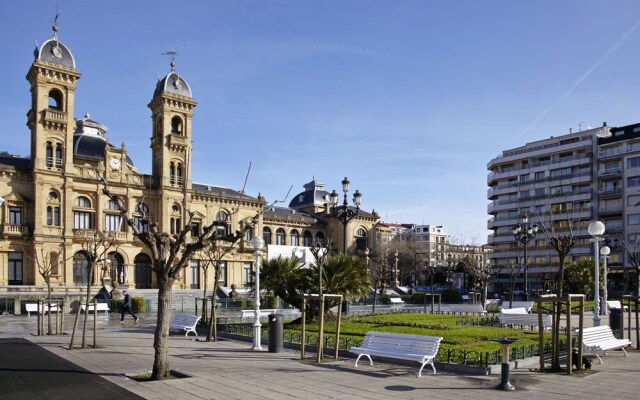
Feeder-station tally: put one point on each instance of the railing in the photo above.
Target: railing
(11, 229)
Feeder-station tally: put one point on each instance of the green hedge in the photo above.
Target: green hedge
(137, 305)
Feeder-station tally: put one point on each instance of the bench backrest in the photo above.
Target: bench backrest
(393, 342)
(516, 304)
(466, 307)
(523, 319)
(396, 300)
(597, 334)
(517, 310)
(185, 320)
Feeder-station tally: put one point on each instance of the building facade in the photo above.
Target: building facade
(561, 184)
(52, 207)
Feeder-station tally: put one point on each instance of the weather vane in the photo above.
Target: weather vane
(173, 53)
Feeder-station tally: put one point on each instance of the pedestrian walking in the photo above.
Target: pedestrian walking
(126, 307)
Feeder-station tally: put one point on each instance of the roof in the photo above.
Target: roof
(219, 191)
(21, 163)
(314, 194)
(54, 52)
(173, 83)
(289, 214)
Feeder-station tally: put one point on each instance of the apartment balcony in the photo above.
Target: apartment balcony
(610, 172)
(55, 119)
(610, 192)
(608, 153)
(610, 210)
(15, 230)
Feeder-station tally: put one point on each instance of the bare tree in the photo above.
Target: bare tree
(633, 255)
(95, 248)
(380, 274)
(214, 254)
(481, 272)
(47, 264)
(512, 269)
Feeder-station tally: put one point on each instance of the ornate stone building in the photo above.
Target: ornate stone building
(52, 205)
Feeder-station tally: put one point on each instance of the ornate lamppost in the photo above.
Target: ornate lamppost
(523, 232)
(395, 268)
(596, 230)
(345, 214)
(605, 251)
(257, 243)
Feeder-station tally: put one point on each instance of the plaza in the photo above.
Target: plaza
(229, 369)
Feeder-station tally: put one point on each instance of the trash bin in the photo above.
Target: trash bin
(616, 321)
(345, 307)
(276, 333)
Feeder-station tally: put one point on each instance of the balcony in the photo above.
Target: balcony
(55, 119)
(177, 142)
(15, 230)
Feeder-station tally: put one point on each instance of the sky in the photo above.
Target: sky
(408, 99)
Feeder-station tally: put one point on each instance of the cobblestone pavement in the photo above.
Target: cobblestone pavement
(228, 369)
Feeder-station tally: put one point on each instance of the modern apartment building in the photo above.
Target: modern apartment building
(562, 183)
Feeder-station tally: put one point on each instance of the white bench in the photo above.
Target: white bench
(522, 318)
(396, 301)
(465, 308)
(517, 310)
(184, 323)
(100, 307)
(252, 313)
(422, 349)
(43, 309)
(600, 339)
(528, 305)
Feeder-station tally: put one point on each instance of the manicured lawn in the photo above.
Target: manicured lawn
(464, 337)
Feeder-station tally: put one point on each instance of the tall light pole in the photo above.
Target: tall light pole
(605, 251)
(596, 230)
(395, 268)
(257, 243)
(523, 232)
(344, 214)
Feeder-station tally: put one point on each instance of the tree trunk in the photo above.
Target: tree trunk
(213, 327)
(161, 368)
(86, 310)
(204, 295)
(48, 281)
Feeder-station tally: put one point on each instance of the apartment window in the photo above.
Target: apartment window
(633, 219)
(634, 146)
(556, 173)
(539, 175)
(15, 269)
(540, 192)
(524, 178)
(633, 200)
(246, 272)
(195, 274)
(633, 162)
(15, 215)
(633, 181)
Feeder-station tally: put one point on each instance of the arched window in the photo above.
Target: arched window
(266, 235)
(55, 100)
(361, 239)
(175, 223)
(53, 209)
(320, 239)
(280, 237)
(82, 213)
(112, 217)
(179, 174)
(294, 238)
(141, 217)
(307, 239)
(80, 269)
(176, 125)
(172, 173)
(223, 223)
(117, 270)
(142, 271)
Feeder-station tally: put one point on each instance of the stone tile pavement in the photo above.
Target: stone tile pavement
(228, 369)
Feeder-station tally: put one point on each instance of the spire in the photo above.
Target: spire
(55, 24)
(173, 53)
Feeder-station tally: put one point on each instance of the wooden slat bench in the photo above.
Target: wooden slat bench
(523, 319)
(184, 323)
(615, 304)
(251, 313)
(600, 339)
(422, 349)
(100, 307)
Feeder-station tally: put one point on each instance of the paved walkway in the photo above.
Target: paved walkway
(228, 369)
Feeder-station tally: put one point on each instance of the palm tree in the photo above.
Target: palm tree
(345, 275)
(284, 278)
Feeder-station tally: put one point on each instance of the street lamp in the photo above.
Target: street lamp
(523, 232)
(395, 269)
(449, 274)
(344, 214)
(257, 243)
(605, 251)
(596, 230)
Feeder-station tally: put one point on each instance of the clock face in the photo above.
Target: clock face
(115, 163)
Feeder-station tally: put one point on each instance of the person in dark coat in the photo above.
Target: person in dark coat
(126, 307)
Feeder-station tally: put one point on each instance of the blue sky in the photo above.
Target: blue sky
(409, 99)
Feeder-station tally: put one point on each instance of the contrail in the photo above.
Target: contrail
(584, 76)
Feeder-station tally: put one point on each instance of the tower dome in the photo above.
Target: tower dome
(54, 52)
(173, 83)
